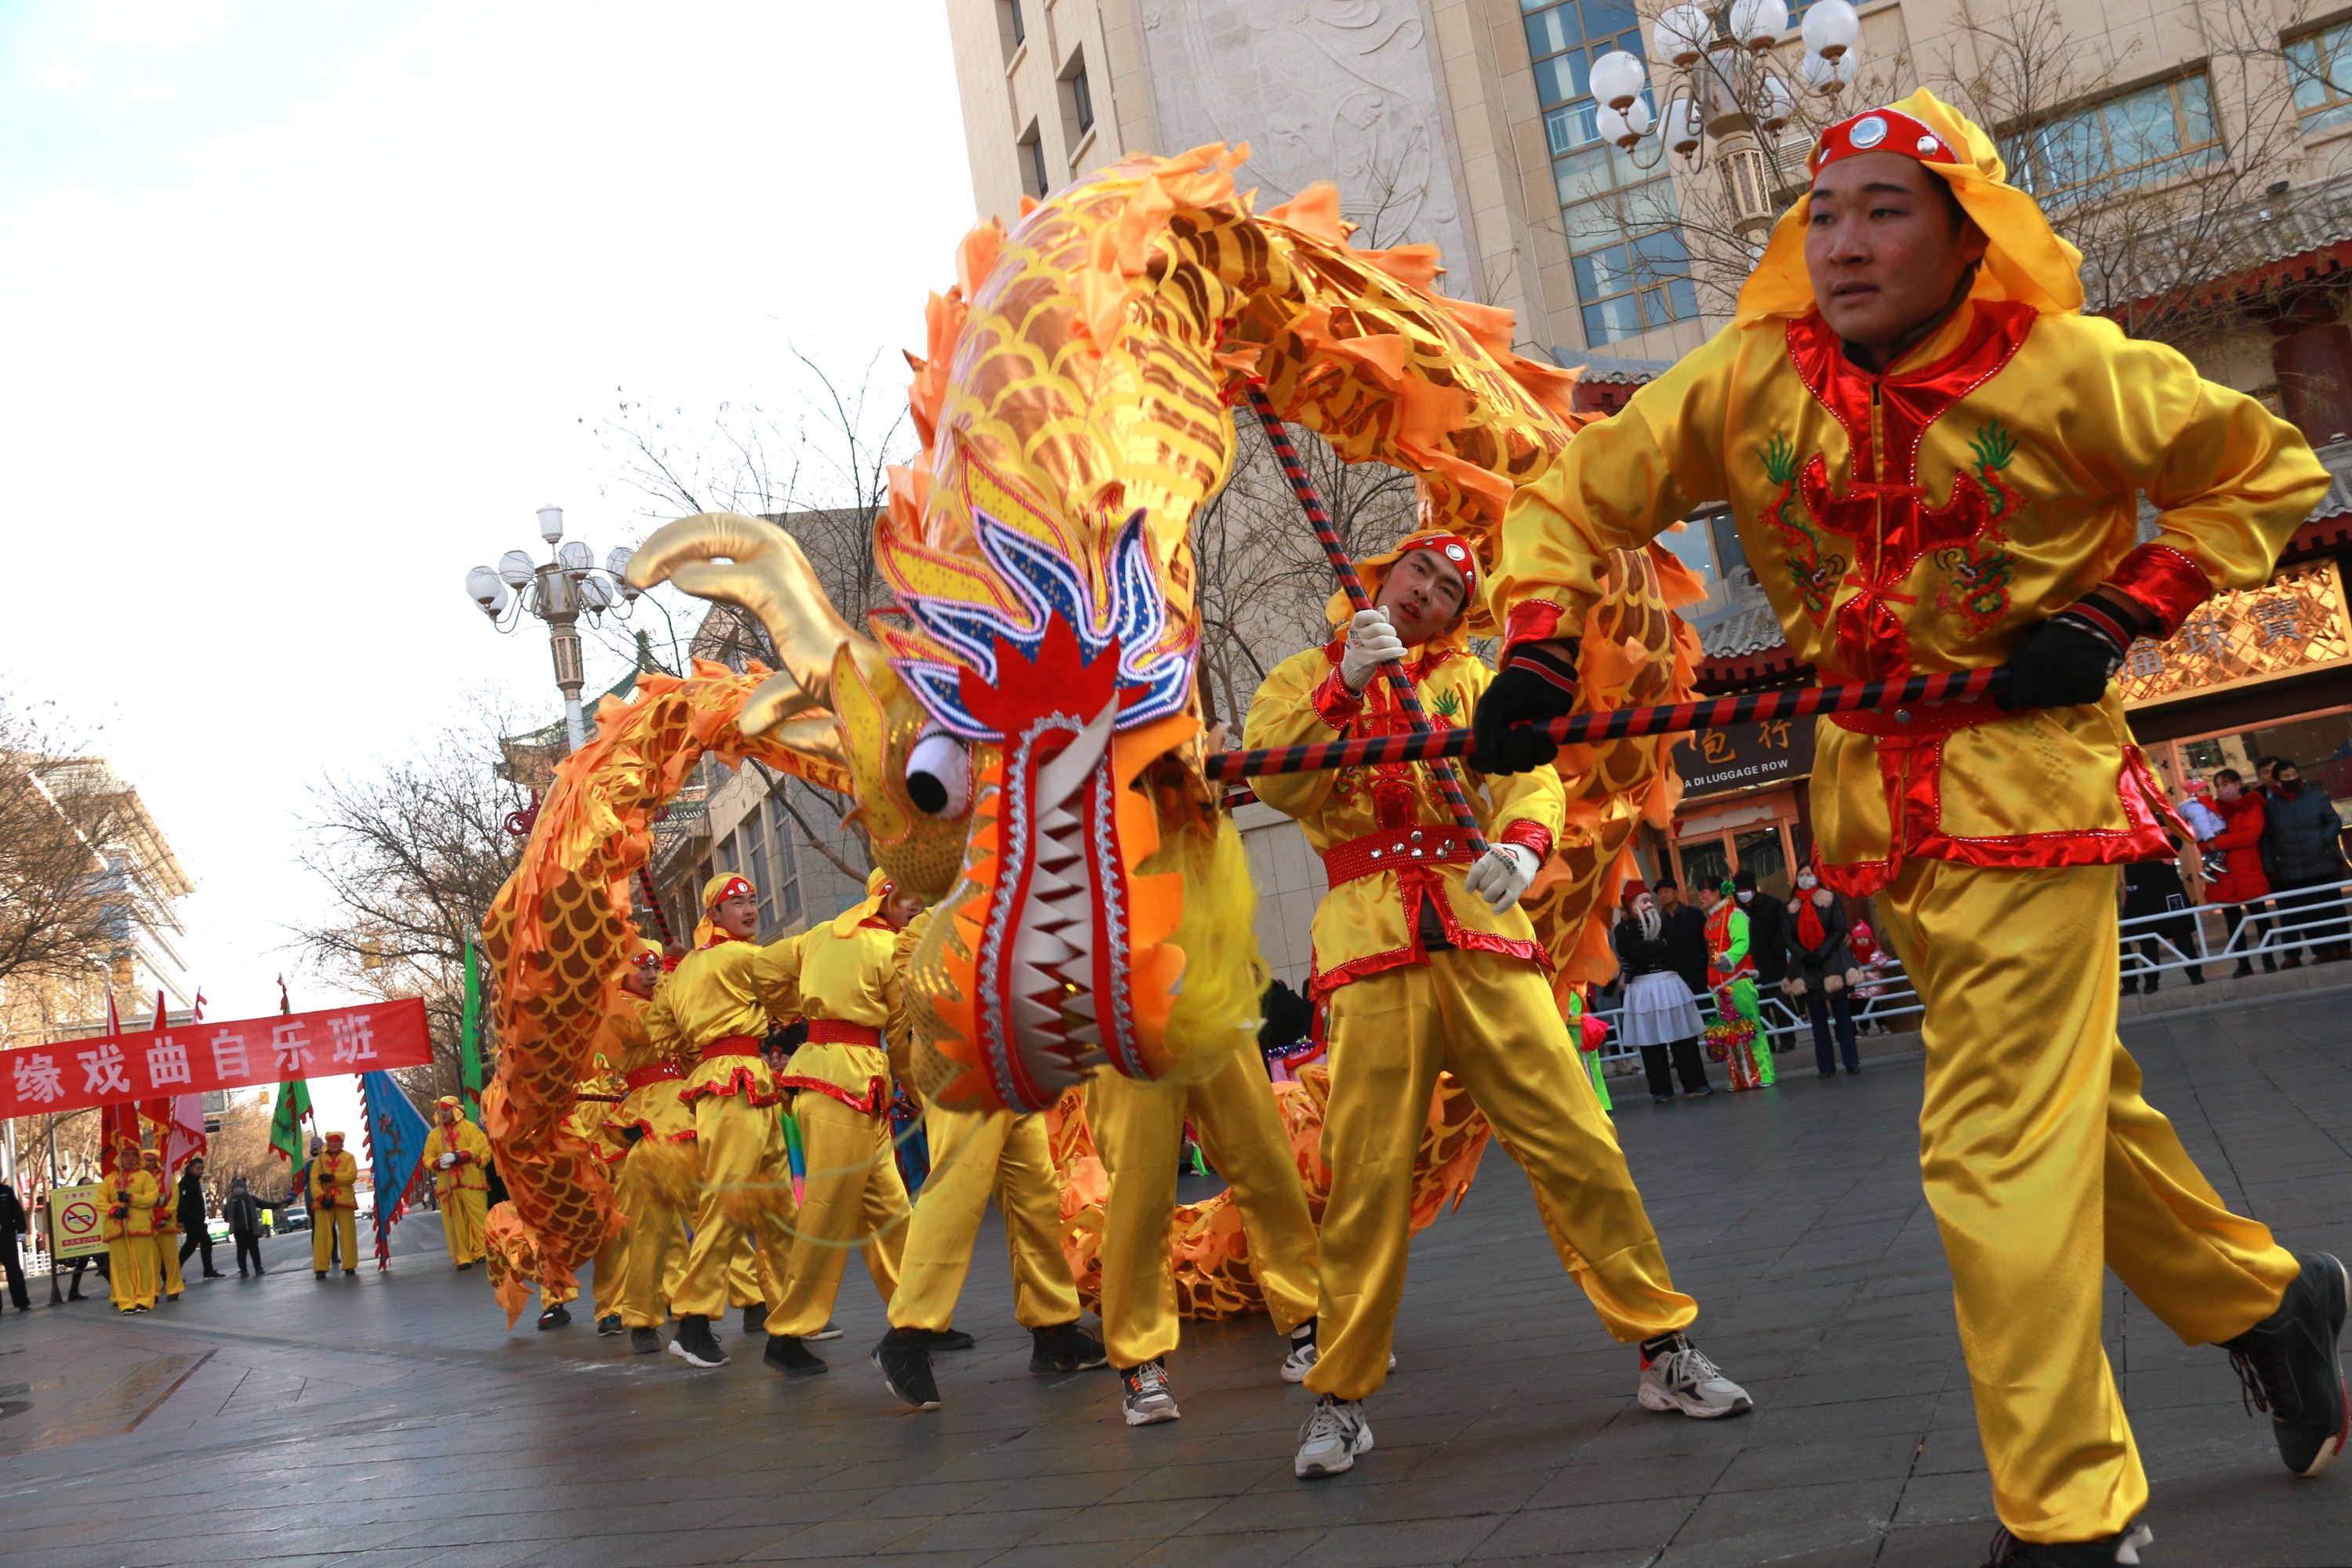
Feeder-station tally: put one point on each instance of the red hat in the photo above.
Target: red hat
(1881, 131)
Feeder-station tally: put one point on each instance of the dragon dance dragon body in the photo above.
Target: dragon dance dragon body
(1024, 737)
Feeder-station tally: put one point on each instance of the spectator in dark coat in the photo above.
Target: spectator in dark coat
(1822, 971)
(1685, 936)
(195, 1225)
(12, 1225)
(2154, 888)
(243, 1212)
(1767, 942)
(2301, 849)
(2241, 887)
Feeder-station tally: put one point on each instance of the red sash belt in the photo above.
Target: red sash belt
(1398, 846)
(875, 1098)
(1925, 721)
(840, 1032)
(651, 1074)
(732, 1046)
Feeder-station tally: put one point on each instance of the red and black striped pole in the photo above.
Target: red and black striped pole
(1336, 551)
(1585, 728)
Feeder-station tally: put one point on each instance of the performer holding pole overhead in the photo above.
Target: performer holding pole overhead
(1934, 459)
(458, 1156)
(1428, 963)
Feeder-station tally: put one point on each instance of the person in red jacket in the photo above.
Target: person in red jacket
(2242, 885)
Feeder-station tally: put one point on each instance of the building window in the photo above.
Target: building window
(787, 861)
(2321, 64)
(1077, 100)
(1032, 152)
(755, 854)
(1011, 30)
(1633, 270)
(728, 861)
(2124, 141)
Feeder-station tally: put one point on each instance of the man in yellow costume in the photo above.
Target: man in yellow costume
(129, 1230)
(710, 1017)
(167, 1226)
(975, 1155)
(1933, 457)
(851, 992)
(649, 1115)
(458, 1156)
(334, 1207)
(1426, 963)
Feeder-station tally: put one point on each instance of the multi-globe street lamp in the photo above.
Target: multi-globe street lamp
(557, 591)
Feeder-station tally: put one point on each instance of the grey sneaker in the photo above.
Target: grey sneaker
(1332, 1438)
(1147, 1395)
(1679, 1377)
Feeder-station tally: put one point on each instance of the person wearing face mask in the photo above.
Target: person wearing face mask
(1822, 972)
(2239, 887)
(1660, 1019)
(2301, 846)
(1768, 932)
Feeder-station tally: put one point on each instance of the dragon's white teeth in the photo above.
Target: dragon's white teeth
(1038, 948)
(1054, 822)
(1088, 1034)
(1032, 1015)
(1079, 1004)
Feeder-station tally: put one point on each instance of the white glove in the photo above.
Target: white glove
(1372, 642)
(1502, 874)
(447, 1161)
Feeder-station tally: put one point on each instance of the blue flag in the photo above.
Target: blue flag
(395, 1147)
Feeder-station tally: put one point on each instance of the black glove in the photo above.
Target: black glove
(1536, 685)
(2065, 661)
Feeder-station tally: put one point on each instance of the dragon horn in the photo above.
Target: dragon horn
(757, 567)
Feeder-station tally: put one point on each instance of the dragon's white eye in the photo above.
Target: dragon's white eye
(939, 775)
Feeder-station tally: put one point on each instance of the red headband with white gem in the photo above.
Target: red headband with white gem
(1881, 131)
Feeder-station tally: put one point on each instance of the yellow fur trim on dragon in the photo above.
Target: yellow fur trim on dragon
(1023, 738)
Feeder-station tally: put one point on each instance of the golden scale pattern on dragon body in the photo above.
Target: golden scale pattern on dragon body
(1094, 910)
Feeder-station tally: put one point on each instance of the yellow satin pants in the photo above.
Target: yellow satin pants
(741, 1147)
(463, 1212)
(852, 1192)
(654, 1251)
(1137, 1126)
(1491, 1021)
(327, 1226)
(974, 1156)
(131, 1278)
(167, 1255)
(2042, 1164)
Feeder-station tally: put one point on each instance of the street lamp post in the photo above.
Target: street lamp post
(560, 589)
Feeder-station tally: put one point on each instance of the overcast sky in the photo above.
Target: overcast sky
(306, 304)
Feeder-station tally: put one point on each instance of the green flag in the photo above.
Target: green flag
(286, 1122)
(470, 1060)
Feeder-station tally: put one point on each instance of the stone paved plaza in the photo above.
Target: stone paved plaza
(387, 1421)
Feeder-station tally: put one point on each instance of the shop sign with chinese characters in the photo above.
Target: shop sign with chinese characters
(1742, 756)
(195, 1058)
(2295, 622)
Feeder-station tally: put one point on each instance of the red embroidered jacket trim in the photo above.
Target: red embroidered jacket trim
(2166, 581)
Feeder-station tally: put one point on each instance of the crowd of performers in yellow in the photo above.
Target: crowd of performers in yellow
(1916, 317)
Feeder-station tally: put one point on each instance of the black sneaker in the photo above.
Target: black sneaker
(608, 1325)
(1145, 1393)
(2290, 1366)
(832, 1331)
(755, 1319)
(938, 1339)
(695, 1344)
(1065, 1347)
(463, 1266)
(555, 1317)
(1300, 1361)
(788, 1355)
(646, 1342)
(904, 1359)
(2008, 1552)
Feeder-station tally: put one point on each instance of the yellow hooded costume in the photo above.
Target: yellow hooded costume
(1420, 975)
(1924, 518)
(853, 995)
(131, 1194)
(334, 1207)
(462, 1184)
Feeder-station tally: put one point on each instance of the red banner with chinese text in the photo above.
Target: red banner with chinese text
(254, 1053)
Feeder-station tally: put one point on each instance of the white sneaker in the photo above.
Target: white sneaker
(1332, 1438)
(1301, 1359)
(1147, 1396)
(1682, 1378)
